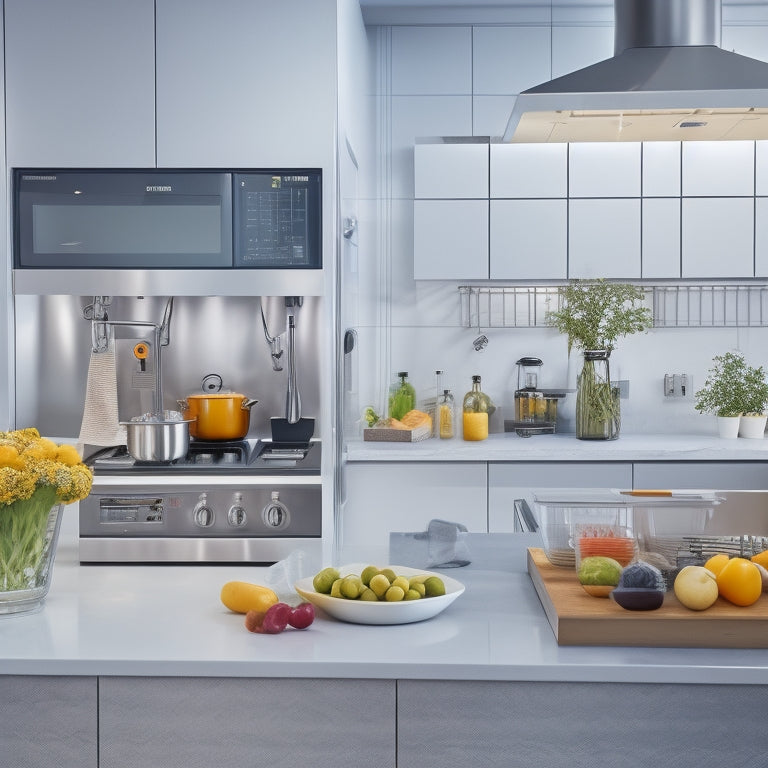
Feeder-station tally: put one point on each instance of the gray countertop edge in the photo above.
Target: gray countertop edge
(563, 447)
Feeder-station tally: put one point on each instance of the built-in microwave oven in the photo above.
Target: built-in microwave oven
(167, 219)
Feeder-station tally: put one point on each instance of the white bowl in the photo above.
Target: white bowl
(365, 612)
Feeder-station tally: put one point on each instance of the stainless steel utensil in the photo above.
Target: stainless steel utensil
(158, 439)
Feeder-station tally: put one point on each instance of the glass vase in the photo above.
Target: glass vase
(598, 410)
(29, 533)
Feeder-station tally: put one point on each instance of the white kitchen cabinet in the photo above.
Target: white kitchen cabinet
(661, 238)
(236, 87)
(717, 237)
(604, 238)
(242, 722)
(661, 168)
(509, 481)
(528, 239)
(450, 239)
(761, 168)
(529, 170)
(46, 721)
(761, 237)
(604, 169)
(718, 168)
(382, 497)
(80, 83)
(451, 170)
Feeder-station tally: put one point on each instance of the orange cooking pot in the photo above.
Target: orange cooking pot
(218, 416)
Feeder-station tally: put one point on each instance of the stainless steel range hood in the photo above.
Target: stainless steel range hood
(668, 80)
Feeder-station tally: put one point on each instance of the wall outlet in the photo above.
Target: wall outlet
(677, 385)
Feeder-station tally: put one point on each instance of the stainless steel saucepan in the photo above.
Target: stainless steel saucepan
(158, 437)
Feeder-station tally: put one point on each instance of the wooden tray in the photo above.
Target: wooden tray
(577, 618)
(384, 435)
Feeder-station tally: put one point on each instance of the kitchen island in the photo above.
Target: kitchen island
(142, 665)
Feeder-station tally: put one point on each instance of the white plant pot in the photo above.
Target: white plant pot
(752, 426)
(728, 426)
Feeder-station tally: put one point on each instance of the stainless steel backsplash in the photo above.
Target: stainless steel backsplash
(217, 334)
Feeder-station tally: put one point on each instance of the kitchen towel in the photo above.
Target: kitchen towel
(100, 425)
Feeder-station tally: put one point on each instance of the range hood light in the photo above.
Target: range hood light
(667, 71)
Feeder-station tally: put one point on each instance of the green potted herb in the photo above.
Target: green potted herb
(737, 394)
(593, 314)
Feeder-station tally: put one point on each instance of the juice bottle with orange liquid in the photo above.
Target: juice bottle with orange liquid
(476, 409)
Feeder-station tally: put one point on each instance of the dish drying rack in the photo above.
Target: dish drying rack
(673, 306)
(696, 550)
(97, 313)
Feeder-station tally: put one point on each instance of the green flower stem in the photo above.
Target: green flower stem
(23, 527)
(597, 405)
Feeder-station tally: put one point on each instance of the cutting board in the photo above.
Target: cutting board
(577, 618)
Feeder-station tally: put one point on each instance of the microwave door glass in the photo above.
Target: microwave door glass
(127, 228)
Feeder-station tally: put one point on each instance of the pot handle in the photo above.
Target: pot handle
(183, 404)
(247, 403)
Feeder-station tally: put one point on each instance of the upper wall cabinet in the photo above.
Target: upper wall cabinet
(237, 85)
(451, 171)
(718, 168)
(90, 100)
(603, 169)
(529, 170)
(622, 211)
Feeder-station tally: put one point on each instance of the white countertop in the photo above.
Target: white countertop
(168, 620)
(565, 447)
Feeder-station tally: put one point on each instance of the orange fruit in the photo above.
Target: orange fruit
(716, 563)
(761, 558)
(739, 581)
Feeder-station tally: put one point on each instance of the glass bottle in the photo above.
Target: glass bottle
(477, 407)
(402, 397)
(446, 412)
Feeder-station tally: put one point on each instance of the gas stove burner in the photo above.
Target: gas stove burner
(203, 456)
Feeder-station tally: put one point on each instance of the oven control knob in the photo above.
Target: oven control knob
(202, 514)
(236, 516)
(275, 514)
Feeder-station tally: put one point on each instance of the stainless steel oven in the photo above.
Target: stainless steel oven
(251, 501)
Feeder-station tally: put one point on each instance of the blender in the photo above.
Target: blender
(535, 407)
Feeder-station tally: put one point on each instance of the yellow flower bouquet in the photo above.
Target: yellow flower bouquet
(37, 476)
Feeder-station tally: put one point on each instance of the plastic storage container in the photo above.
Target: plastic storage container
(668, 531)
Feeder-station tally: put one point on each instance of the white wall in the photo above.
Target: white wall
(460, 80)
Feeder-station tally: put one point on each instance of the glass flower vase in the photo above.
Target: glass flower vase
(598, 409)
(29, 533)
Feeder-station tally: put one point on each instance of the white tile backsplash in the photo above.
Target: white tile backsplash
(431, 60)
(510, 59)
(579, 46)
